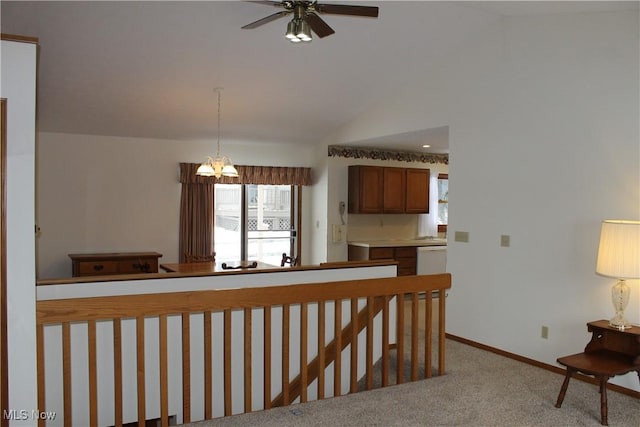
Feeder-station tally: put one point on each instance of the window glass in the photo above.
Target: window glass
(443, 200)
(227, 222)
(259, 227)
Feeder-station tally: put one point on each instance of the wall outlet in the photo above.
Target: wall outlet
(461, 236)
(505, 240)
(545, 332)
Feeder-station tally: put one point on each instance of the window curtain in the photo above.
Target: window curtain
(196, 200)
(196, 213)
(428, 223)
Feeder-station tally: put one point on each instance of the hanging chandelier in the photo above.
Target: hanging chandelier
(220, 165)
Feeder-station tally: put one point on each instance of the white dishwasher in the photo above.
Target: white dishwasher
(432, 259)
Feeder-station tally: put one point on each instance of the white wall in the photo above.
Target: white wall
(543, 113)
(103, 194)
(19, 88)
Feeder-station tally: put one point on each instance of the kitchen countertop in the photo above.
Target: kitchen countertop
(399, 242)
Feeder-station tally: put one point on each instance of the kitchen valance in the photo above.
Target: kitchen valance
(266, 175)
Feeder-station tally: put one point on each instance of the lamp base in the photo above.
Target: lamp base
(619, 322)
(620, 298)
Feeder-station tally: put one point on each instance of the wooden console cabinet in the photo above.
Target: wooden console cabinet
(378, 189)
(103, 264)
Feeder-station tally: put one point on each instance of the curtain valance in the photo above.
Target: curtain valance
(266, 175)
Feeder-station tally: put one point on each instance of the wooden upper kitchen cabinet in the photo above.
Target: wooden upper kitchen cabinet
(377, 189)
(393, 190)
(365, 189)
(103, 264)
(417, 191)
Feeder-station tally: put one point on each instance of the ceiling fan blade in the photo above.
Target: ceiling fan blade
(343, 9)
(321, 28)
(267, 2)
(265, 20)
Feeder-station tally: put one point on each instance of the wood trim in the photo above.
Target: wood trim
(142, 408)
(93, 373)
(152, 276)
(321, 347)
(41, 375)
(542, 365)
(4, 354)
(17, 38)
(337, 354)
(117, 372)
(66, 373)
(110, 307)
(286, 316)
(227, 362)
(208, 367)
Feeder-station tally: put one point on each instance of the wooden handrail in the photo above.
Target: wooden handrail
(182, 306)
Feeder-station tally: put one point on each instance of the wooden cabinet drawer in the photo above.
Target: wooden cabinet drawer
(95, 268)
(133, 266)
(408, 252)
(381, 253)
(114, 263)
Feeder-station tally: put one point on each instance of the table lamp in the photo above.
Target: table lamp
(619, 257)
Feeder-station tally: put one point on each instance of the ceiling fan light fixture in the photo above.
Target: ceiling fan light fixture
(303, 31)
(291, 30)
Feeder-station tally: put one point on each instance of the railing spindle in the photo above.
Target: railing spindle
(354, 346)
(414, 336)
(337, 363)
(267, 357)
(400, 339)
(186, 368)
(227, 362)
(321, 348)
(141, 368)
(303, 352)
(428, 340)
(117, 371)
(370, 308)
(66, 372)
(385, 342)
(285, 353)
(247, 360)
(93, 374)
(164, 372)
(208, 367)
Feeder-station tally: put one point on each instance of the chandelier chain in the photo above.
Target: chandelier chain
(219, 90)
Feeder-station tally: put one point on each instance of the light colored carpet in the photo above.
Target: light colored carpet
(479, 388)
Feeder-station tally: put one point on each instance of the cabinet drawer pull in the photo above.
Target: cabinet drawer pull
(98, 267)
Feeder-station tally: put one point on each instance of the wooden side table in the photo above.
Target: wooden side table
(610, 352)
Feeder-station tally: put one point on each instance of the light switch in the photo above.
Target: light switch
(505, 240)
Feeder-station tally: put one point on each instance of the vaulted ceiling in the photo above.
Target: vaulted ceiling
(148, 69)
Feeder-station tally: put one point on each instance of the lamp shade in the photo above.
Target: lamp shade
(619, 249)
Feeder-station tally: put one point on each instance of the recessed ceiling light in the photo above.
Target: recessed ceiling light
(426, 146)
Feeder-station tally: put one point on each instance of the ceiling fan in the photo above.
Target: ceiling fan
(305, 17)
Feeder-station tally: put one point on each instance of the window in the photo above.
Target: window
(254, 222)
(443, 202)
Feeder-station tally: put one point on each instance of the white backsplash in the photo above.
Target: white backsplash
(381, 227)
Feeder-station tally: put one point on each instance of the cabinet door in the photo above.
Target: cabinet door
(393, 192)
(417, 194)
(365, 189)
